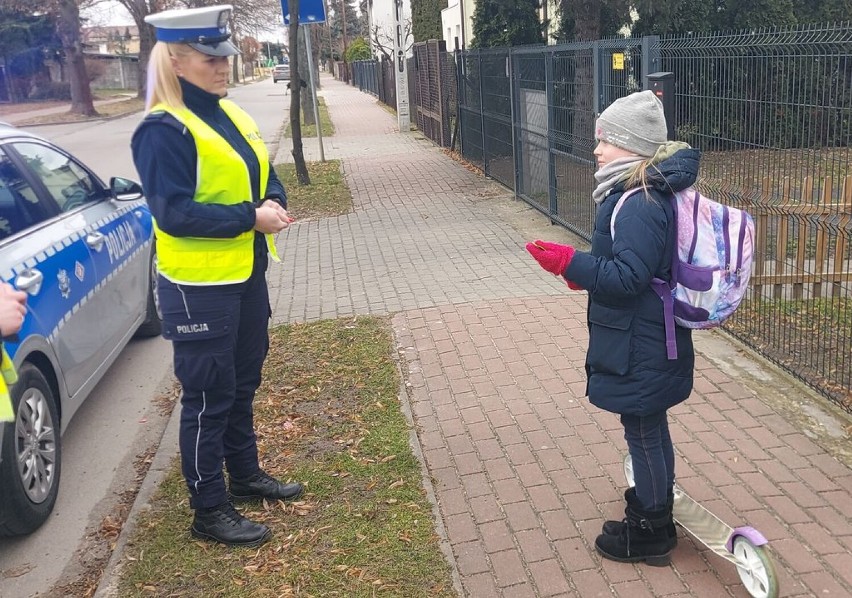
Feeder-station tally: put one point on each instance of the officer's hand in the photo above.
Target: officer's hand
(274, 204)
(281, 211)
(270, 219)
(12, 309)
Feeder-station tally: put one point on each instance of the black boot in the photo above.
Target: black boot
(614, 528)
(643, 538)
(224, 524)
(263, 485)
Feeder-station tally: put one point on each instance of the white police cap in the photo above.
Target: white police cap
(205, 29)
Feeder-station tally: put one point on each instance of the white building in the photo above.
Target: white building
(381, 25)
(457, 22)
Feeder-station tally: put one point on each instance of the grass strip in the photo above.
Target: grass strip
(328, 415)
(327, 195)
(311, 130)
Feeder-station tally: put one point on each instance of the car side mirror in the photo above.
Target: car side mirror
(124, 189)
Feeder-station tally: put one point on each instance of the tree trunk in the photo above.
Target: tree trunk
(307, 96)
(146, 44)
(236, 60)
(139, 9)
(68, 30)
(295, 122)
(587, 27)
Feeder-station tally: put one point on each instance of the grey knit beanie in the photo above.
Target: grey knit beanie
(636, 123)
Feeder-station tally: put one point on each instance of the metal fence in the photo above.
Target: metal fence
(431, 87)
(433, 79)
(772, 113)
(365, 76)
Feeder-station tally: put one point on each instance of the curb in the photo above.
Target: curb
(166, 451)
(417, 449)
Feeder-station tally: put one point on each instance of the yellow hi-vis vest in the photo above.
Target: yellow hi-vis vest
(222, 178)
(8, 378)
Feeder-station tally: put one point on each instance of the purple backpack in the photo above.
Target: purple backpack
(712, 264)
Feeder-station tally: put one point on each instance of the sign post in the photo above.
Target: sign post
(307, 33)
(401, 75)
(310, 11)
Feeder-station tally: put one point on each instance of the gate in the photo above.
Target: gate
(430, 96)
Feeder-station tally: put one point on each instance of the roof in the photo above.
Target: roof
(94, 35)
(7, 130)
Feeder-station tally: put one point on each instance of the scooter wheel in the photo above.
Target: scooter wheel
(755, 568)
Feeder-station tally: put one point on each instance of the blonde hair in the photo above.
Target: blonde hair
(162, 83)
(639, 176)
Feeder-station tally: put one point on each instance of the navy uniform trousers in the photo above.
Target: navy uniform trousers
(220, 338)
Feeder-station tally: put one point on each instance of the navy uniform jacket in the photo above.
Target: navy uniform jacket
(166, 159)
(626, 364)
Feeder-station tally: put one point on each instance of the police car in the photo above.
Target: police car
(84, 253)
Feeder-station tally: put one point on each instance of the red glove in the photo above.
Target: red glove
(553, 257)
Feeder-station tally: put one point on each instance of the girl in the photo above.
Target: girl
(627, 368)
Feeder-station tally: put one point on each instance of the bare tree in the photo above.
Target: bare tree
(247, 14)
(68, 29)
(67, 17)
(139, 9)
(382, 38)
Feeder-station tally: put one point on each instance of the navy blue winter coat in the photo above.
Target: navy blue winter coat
(627, 369)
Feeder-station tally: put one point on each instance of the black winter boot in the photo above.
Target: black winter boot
(614, 528)
(643, 538)
(224, 524)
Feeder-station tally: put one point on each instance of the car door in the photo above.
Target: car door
(117, 234)
(46, 252)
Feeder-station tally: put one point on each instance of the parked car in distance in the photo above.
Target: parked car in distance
(84, 253)
(281, 72)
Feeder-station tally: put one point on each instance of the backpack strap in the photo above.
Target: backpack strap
(618, 204)
(695, 212)
(665, 289)
(664, 292)
(662, 288)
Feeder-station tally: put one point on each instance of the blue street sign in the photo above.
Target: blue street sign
(310, 11)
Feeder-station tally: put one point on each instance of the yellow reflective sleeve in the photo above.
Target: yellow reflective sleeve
(270, 245)
(10, 376)
(7, 414)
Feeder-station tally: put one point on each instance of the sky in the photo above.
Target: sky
(107, 13)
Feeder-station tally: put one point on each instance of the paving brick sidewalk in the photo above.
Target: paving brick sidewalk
(524, 470)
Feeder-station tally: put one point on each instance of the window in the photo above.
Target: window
(66, 181)
(19, 205)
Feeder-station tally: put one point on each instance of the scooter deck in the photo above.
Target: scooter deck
(701, 523)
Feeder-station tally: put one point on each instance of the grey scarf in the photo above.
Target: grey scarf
(621, 169)
(617, 170)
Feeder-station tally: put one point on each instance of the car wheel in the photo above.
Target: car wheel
(31, 451)
(153, 324)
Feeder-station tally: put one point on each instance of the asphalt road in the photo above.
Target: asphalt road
(121, 421)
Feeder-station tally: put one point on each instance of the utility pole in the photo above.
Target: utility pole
(343, 56)
(401, 75)
(309, 52)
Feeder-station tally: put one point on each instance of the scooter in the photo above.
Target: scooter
(744, 546)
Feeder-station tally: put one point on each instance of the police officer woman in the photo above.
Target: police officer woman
(13, 309)
(216, 202)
